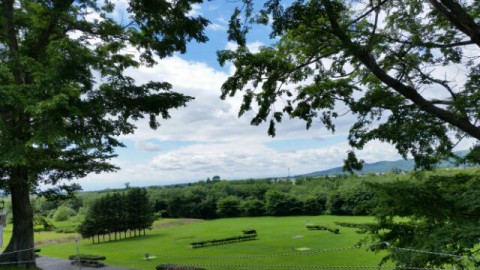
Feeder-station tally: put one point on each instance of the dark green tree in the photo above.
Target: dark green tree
(388, 62)
(314, 205)
(252, 207)
(438, 213)
(279, 203)
(64, 97)
(228, 207)
(139, 210)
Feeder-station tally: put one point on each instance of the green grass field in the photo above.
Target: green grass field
(276, 235)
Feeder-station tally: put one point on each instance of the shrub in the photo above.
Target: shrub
(253, 208)
(228, 207)
(170, 266)
(62, 213)
(89, 257)
(323, 228)
(228, 240)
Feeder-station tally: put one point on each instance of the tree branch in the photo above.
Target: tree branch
(437, 81)
(429, 44)
(381, 3)
(12, 41)
(44, 38)
(457, 15)
(408, 92)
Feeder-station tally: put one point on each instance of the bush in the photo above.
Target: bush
(323, 228)
(253, 208)
(282, 204)
(228, 207)
(229, 240)
(177, 267)
(84, 257)
(62, 213)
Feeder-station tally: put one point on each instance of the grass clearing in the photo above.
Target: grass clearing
(169, 243)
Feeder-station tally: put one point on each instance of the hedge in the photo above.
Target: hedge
(323, 228)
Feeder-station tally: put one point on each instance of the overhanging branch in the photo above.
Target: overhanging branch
(408, 92)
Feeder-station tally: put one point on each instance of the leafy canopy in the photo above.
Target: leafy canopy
(436, 213)
(65, 96)
(407, 70)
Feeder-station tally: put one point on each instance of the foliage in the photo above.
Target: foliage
(87, 257)
(118, 213)
(177, 267)
(64, 94)
(323, 228)
(311, 196)
(439, 213)
(222, 241)
(228, 207)
(252, 208)
(282, 204)
(63, 213)
(388, 62)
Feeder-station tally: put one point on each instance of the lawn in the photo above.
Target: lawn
(276, 235)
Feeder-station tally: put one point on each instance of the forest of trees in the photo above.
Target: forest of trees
(341, 195)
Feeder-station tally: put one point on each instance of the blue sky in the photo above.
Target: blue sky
(207, 138)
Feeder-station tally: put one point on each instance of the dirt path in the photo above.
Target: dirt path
(177, 223)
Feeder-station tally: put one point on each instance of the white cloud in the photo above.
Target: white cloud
(195, 11)
(253, 47)
(234, 161)
(217, 27)
(224, 144)
(144, 145)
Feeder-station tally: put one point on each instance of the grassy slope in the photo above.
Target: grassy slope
(276, 236)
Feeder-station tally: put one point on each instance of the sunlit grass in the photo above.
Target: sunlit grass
(276, 235)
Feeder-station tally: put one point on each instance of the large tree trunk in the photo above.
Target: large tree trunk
(19, 250)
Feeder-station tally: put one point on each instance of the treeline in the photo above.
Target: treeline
(127, 212)
(341, 195)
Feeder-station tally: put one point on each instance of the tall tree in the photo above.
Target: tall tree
(64, 94)
(407, 69)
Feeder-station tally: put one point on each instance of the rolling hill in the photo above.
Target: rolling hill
(380, 166)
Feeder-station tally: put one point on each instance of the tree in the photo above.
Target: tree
(407, 69)
(438, 213)
(63, 213)
(228, 207)
(116, 213)
(252, 207)
(140, 211)
(282, 204)
(64, 96)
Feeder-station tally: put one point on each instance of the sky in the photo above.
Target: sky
(207, 138)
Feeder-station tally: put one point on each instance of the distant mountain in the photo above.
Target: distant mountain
(380, 166)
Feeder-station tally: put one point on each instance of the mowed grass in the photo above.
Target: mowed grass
(276, 235)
